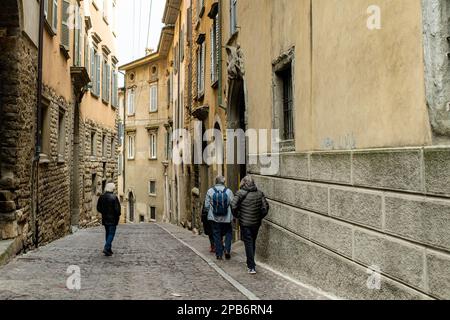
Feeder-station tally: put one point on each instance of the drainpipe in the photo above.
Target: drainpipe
(35, 176)
(220, 97)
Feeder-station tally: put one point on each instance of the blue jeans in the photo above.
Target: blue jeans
(249, 235)
(110, 233)
(219, 231)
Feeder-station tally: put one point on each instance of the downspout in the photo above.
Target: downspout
(35, 178)
(220, 97)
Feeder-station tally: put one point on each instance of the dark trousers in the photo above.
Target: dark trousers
(219, 231)
(249, 236)
(109, 238)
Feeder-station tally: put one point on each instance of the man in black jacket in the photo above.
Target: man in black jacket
(249, 206)
(109, 206)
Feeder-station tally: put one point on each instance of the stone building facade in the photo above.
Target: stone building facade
(360, 204)
(43, 144)
(18, 83)
(147, 127)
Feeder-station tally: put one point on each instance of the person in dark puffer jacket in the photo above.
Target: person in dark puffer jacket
(250, 206)
(109, 206)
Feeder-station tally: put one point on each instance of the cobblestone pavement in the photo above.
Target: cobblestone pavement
(149, 264)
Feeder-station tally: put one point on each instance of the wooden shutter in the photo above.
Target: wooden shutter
(153, 98)
(55, 15)
(65, 35)
(108, 82)
(203, 66)
(93, 71)
(97, 76)
(212, 55)
(86, 55)
(46, 9)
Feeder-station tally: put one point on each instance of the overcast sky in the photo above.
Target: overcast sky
(133, 27)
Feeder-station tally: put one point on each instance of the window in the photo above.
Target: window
(115, 88)
(93, 144)
(201, 70)
(45, 128)
(113, 147)
(77, 45)
(65, 33)
(86, 55)
(215, 51)
(154, 98)
(233, 16)
(283, 109)
(104, 145)
(288, 115)
(152, 212)
(152, 188)
(61, 134)
(200, 8)
(97, 75)
(131, 140)
(106, 80)
(121, 132)
(130, 102)
(54, 15)
(95, 72)
(106, 10)
(153, 143)
(182, 45)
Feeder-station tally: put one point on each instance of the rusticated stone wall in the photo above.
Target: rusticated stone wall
(104, 167)
(18, 76)
(336, 215)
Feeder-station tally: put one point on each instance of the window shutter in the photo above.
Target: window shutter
(65, 35)
(203, 66)
(213, 64)
(217, 51)
(46, 9)
(108, 82)
(76, 43)
(55, 15)
(98, 65)
(93, 71)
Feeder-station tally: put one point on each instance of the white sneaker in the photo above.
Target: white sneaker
(251, 271)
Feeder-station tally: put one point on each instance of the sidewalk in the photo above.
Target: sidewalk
(266, 285)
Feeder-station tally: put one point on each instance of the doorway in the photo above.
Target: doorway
(131, 206)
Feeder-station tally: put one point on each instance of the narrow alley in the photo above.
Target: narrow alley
(151, 262)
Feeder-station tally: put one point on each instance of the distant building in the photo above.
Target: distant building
(147, 127)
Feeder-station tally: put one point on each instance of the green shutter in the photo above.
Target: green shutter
(108, 82)
(65, 35)
(98, 65)
(55, 15)
(93, 71)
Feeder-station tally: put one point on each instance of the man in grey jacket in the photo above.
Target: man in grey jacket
(217, 204)
(250, 207)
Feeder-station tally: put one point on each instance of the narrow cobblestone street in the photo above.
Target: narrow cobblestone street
(151, 262)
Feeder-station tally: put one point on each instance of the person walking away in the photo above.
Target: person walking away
(109, 206)
(207, 227)
(217, 203)
(250, 207)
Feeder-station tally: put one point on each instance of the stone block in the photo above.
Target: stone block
(323, 269)
(331, 167)
(303, 195)
(287, 217)
(295, 166)
(358, 206)
(419, 219)
(332, 234)
(396, 170)
(437, 171)
(438, 266)
(8, 230)
(7, 206)
(397, 259)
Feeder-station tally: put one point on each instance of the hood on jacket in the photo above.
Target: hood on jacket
(248, 184)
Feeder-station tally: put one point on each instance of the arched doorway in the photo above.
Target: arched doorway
(131, 208)
(236, 121)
